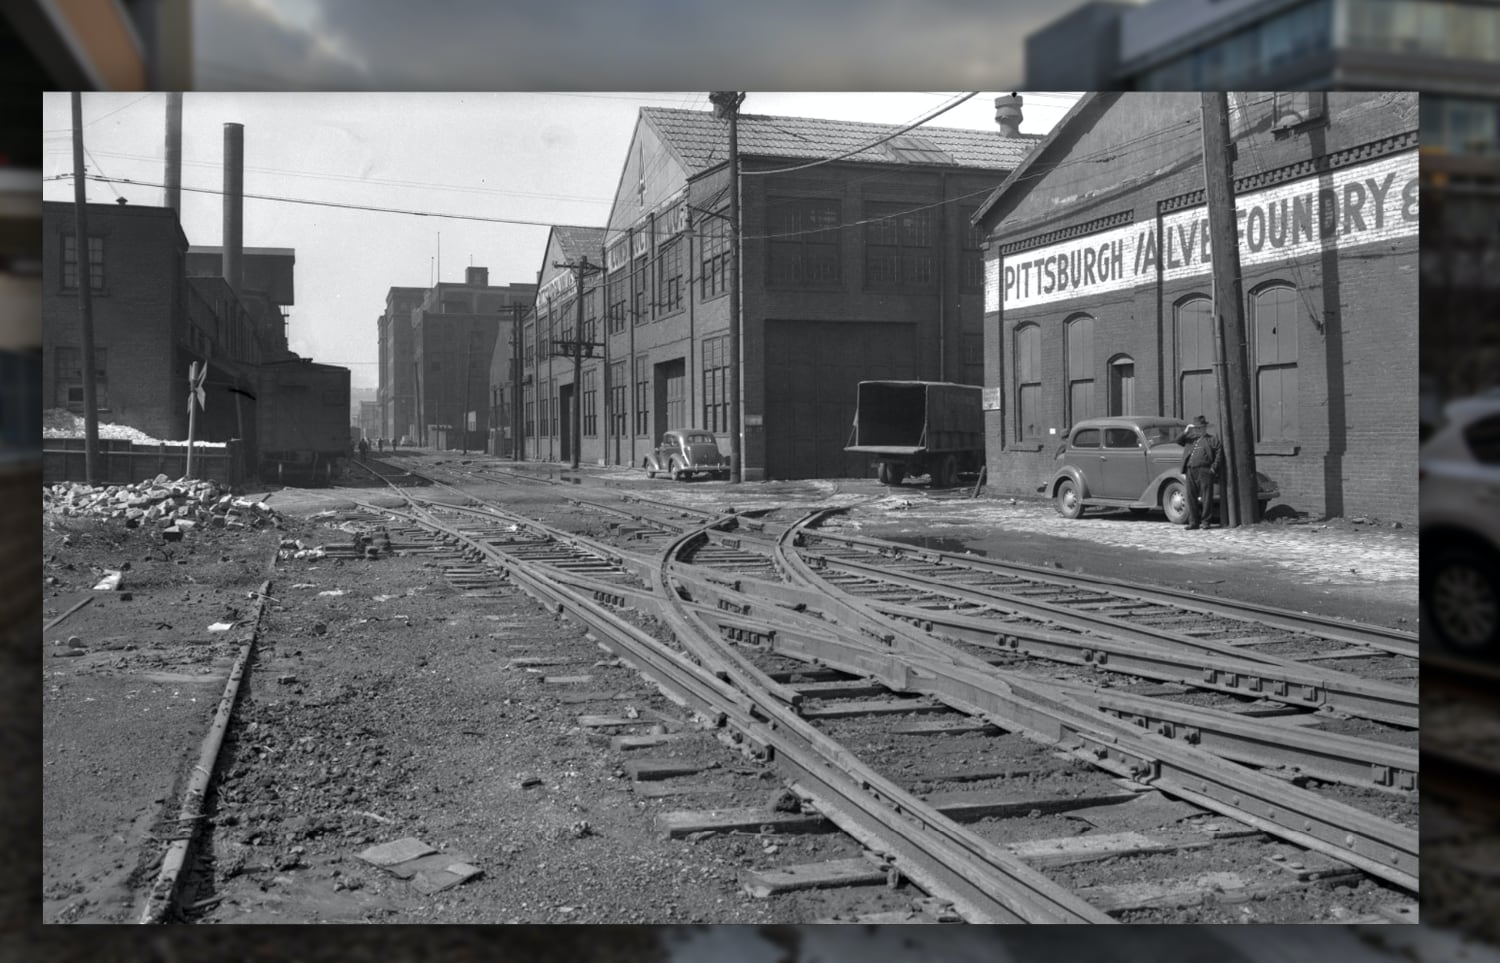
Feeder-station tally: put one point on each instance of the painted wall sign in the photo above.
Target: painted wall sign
(1351, 206)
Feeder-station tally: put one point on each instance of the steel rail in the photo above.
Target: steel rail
(1345, 691)
(878, 813)
(1379, 847)
(1390, 640)
(1302, 686)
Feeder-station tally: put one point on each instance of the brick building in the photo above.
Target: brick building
(397, 395)
(453, 333)
(858, 262)
(1098, 288)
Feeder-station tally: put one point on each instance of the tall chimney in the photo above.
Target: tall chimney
(234, 205)
(1008, 114)
(174, 153)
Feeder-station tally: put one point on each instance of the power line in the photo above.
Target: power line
(896, 133)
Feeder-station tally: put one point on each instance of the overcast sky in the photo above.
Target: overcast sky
(614, 44)
(486, 159)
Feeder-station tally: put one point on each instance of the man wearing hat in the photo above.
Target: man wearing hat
(1202, 460)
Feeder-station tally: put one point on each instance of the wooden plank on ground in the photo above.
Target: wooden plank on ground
(651, 790)
(841, 689)
(567, 679)
(645, 770)
(675, 825)
(627, 743)
(611, 722)
(961, 806)
(856, 871)
(844, 710)
(945, 727)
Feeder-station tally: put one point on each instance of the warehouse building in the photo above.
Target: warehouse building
(859, 262)
(1098, 291)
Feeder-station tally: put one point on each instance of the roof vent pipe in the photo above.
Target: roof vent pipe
(234, 205)
(1008, 114)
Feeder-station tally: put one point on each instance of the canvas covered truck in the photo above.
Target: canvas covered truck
(932, 428)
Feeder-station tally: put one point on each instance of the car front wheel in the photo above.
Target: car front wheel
(650, 472)
(1461, 592)
(1174, 502)
(1069, 502)
(676, 468)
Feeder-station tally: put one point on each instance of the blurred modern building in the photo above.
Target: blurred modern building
(1447, 49)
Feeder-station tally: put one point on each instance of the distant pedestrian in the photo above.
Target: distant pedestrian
(364, 448)
(380, 445)
(1202, 462)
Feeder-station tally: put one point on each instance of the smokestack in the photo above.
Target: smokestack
(1008, 114)
(234, 204)
(174, 152)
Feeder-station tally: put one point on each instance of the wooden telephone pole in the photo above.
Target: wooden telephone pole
(577, 348)
(727, 104)
(85, 276)
(1240, 506)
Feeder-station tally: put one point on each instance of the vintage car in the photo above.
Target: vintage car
(1459, 495)
(1134, 462)
(685, 452)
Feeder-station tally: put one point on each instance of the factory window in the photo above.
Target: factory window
(69, 379)
(591, 403)
(1122, 385)
(70, 263)
(545, 428)
(530, 413)
(617, 289)
(1198, 389)
(1080, 368)
(641, 291)
(898, 246)
(591, 313)
(1028, 382)
(973, 359)
(618, 409)
(669, 277)
(642, 395)
(713, 277)
(556, 423)
(971, 273)
(1274, 343)
(716, 384)
(804, 242)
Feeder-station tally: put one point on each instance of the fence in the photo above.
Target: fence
(127, 462)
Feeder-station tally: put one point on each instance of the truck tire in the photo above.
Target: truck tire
(945, 474)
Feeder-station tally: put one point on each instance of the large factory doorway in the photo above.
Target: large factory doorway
(813, 369)
(565, 423)
(671, 397)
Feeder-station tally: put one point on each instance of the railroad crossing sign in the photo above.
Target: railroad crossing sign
(196, 374)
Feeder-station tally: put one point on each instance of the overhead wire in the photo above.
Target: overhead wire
(940, 110)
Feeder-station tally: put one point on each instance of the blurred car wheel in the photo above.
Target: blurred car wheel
(1461, 590)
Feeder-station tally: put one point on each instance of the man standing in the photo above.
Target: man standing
(364, 448)
(1202, 460)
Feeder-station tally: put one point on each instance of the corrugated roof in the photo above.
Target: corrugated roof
(702, 141)
(578, 242)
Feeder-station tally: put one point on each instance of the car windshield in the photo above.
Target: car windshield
(699, 439)
(1160, 434)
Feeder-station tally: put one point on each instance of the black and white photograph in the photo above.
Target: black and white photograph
(775, 507)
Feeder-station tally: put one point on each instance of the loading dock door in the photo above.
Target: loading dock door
(671, 398)
(813, 369)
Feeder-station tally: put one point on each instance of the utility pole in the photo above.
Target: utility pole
(468, 378)
(85, 275)
(576, 348)
(517, 419)
(727, 104)
(1229, 312)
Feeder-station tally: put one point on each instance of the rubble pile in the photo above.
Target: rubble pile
(176, 506)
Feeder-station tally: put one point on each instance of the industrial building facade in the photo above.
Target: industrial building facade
(859, 262)
(1099, 296)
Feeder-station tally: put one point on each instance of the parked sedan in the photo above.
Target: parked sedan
(686, 452)
(1460, 523)
(1133, 461)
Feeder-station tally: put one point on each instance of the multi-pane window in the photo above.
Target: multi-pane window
(530, 413)
(898, 246)
(1028, 363)
(591, 403)
(618, 409)
(591, 313)
(713, 272)
(716, 383)
(640, 293)
(68, 380)
(556, 423)
(804, 241)
(1080, 368)
(1274, 341)
(618, 292)
(642, 395)
(971, 259)
(546, 410)
(669, 277)
(1196, 383)
(70, 263)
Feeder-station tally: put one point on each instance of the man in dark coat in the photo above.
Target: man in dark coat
(1202, 462)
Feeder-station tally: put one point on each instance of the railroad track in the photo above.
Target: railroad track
(754, 628)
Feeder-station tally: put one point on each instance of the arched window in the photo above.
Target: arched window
(1028, 372)
(1197, 386)
(1274, 312)
(1080, 368)
(1122, 385)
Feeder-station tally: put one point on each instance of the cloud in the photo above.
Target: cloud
(606, 44)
